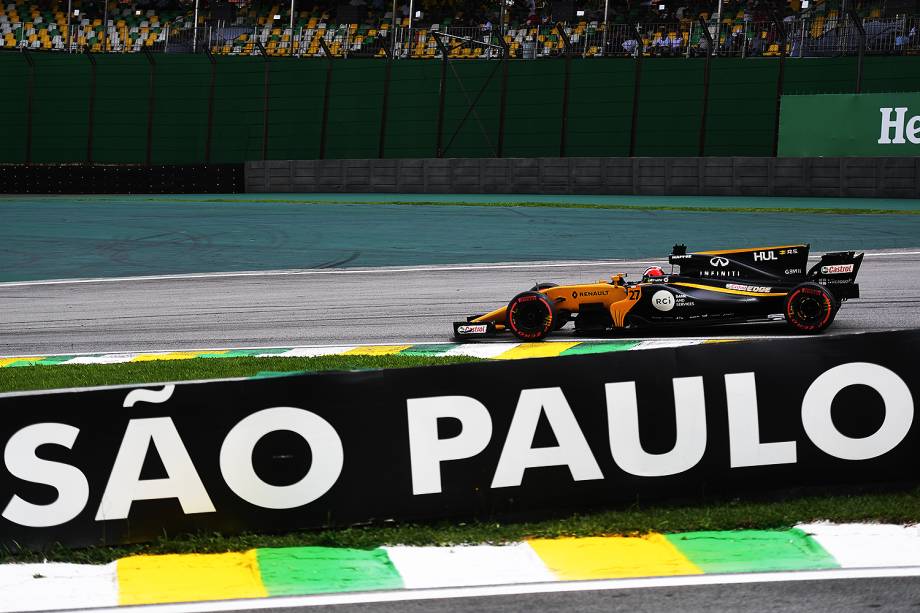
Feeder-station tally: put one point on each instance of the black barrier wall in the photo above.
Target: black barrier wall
(121, 179)
(760, 176)
(120, 465)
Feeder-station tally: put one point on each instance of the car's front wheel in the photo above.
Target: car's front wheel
(531, 316)
(810, 308)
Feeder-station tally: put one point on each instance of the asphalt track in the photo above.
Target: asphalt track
(146, 279)
(877, 594)
(895, 589)
(109, 236)
(354, 306)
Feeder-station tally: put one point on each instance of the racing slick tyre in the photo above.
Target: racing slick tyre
(562, 317)
(809, 308)
(531, 316)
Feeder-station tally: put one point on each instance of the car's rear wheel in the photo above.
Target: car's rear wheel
(810, 308)
(531, 316)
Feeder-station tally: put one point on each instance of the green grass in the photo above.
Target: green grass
(897, 507)
(584, 205)
(21, 378)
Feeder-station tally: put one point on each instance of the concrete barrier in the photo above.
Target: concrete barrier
(869, 177)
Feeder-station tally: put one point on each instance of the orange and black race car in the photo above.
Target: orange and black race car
(709, 288)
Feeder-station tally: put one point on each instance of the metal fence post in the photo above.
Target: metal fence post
(640, 51)
(861, 34)
(563, 133)
(706, 73)
(442, 94)
(210, 133)
(324, 129)
(503, 99)
(92, 106)
(385, 103)
(30, 93)
(267, 72)
(151, 100)
(781, 33)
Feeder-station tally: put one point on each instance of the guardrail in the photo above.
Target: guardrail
(333, 449)
(856, 177)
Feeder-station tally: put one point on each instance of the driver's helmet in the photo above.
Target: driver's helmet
(654, 271)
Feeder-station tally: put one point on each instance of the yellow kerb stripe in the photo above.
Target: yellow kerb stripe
(8, 361)
(186, 578)
(175, 355)
(725, 290)
(535, 350)
(723, 251)
(612, 557)
(377, 350)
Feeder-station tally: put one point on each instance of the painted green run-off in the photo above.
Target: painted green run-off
(426, 350)
(585, 348)
(291, 571)
(740, 551)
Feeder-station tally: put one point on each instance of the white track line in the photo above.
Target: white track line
(331, 271)
(517, 589)
(366, 271)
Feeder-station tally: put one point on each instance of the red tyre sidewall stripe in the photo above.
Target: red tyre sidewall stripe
(827, 310)
(547, 324)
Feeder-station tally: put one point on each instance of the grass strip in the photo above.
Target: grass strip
(575, 205)
(891, 507)
(40, 377)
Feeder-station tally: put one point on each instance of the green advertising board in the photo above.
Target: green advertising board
(879, 125)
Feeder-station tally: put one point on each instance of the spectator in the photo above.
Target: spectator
(758, 45)
(702, 47)
(631, 46)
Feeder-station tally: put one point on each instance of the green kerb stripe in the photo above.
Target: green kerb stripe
(428, 350)
(54, 359)
(739, 551)
(242, 353)
(291, 571)
(585, 348)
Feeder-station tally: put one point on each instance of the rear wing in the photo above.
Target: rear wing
(785, 263)
(837, 272)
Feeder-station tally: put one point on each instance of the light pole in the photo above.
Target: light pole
(411, 15)
(718, 27)
(195, 30)
(604, 42)
(105, 26)
(67, 33)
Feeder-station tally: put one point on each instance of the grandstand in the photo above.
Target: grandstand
(745, 29)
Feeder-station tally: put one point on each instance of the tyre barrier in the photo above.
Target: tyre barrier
(488, 440)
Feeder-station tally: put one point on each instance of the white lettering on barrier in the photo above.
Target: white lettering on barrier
(125, 484)
(893, 131)
(888, 125)
(70, 482)
(745, 448)
(819, 426)
(240, 475)
(518, 454)
(427, 451)
(623, 429)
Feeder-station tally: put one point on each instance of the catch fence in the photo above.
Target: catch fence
(799, 37)
(185, 108)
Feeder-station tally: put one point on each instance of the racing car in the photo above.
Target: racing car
(708, 288)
